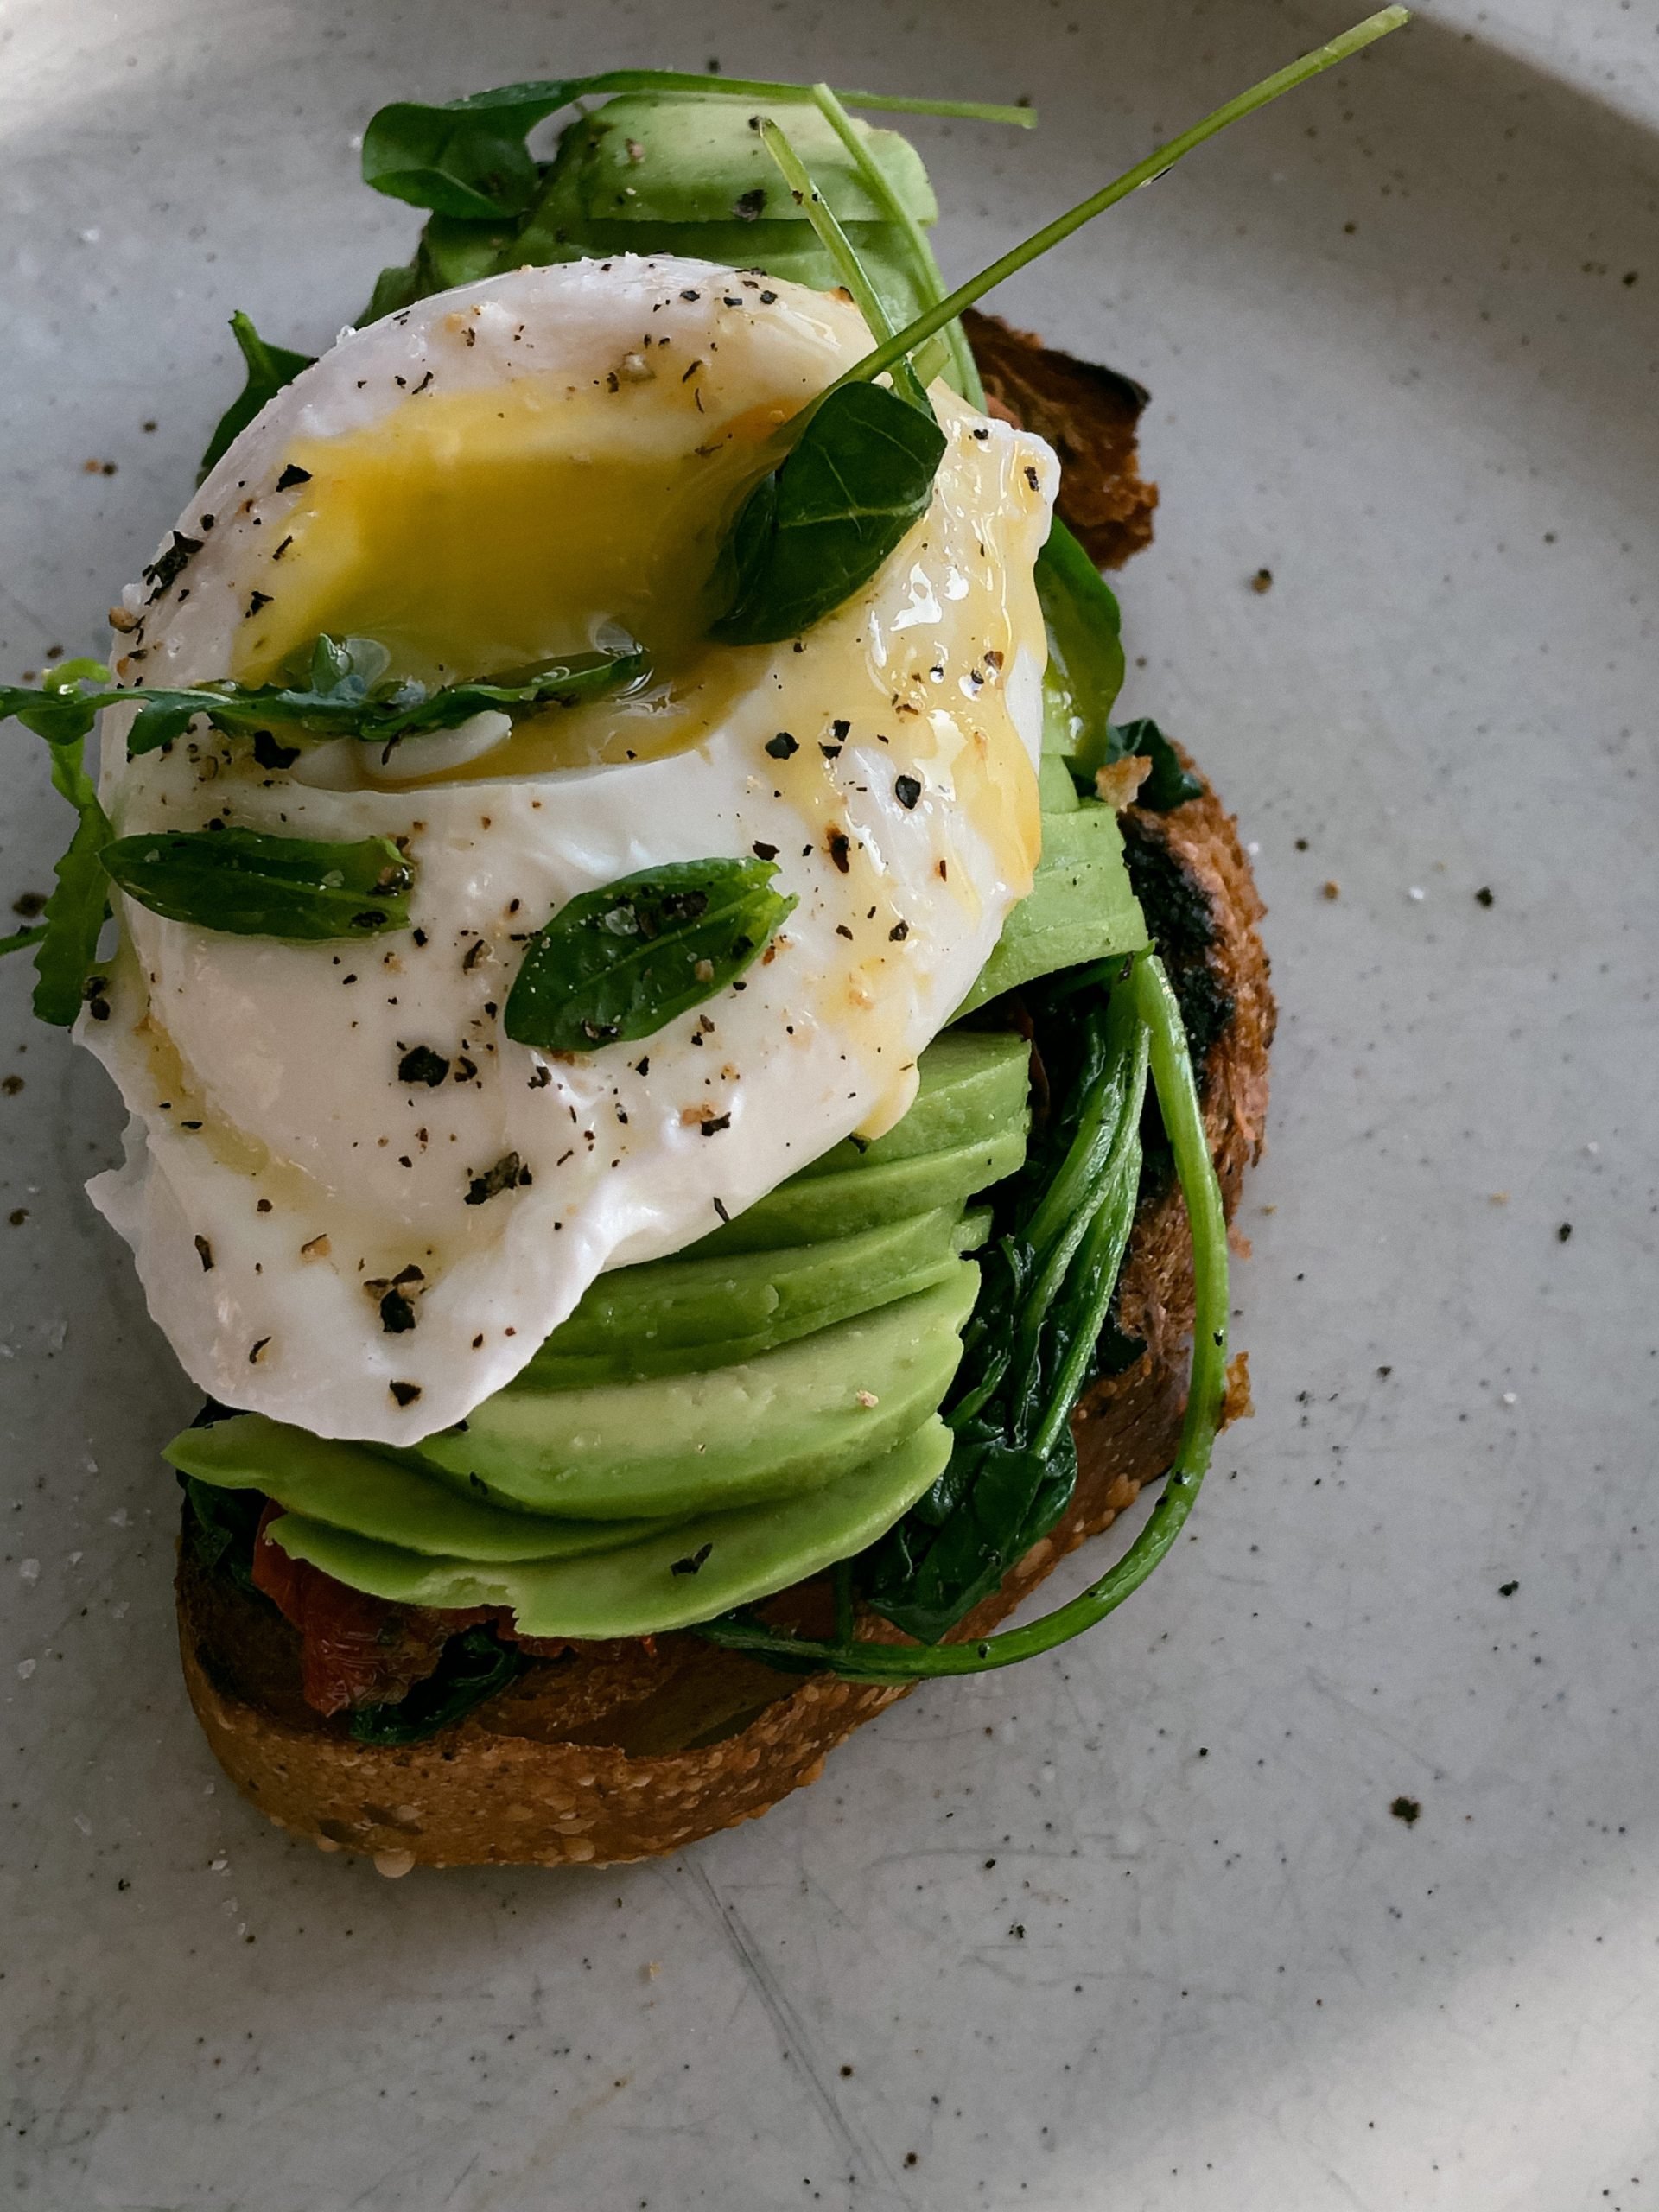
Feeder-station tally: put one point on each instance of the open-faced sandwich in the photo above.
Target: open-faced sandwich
(685, 1076)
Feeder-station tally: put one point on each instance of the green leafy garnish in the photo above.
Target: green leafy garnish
(269, 368)
(1183, 1120)
(820, 524)
(473, 1666)
(249, 884)
(1031, 1345)
(851, 483)
(616, 963)
(469, 157)
(1085, 651)
(65, 941)
(66, 955)
(343, 691)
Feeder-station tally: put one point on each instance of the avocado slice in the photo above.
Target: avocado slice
(353, 1486)
(669, 1316)
(705, 1565)
(965, 1130)
(1079, 908)
(694, 157)
(792, 1419)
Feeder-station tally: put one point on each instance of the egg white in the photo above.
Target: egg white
(276, 1166)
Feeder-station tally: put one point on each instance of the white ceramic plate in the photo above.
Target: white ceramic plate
(1133, 1927)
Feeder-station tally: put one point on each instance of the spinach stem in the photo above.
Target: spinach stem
(929, 278)
(1164, 157)
(827, 227)
(1178, 1101)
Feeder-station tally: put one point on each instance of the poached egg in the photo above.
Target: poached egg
(490, 478)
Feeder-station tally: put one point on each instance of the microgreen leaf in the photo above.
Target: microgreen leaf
(1085, 650)
(619, 962)
(62, 710)
(820, 524)
(340, 690)
(268, 369)
(469, 157)
(74, 913)
(250, 884)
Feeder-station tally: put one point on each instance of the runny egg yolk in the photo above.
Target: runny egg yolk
(474, 532)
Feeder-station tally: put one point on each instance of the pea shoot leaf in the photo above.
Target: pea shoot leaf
(1085, 650)
(74, 913)
(619, 962)
(250, 884)
(268, 369)
(341, 692)
(818, 526)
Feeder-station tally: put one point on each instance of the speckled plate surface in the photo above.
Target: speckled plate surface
(1134, 1926)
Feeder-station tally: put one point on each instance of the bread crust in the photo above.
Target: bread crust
(630, 1750)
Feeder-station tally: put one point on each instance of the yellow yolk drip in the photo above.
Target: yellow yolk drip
(472, 533)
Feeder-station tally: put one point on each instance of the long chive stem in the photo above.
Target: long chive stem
(942, 311)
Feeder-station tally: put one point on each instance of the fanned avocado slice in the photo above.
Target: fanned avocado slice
(670, 1316)
(353, 1486)
(793, 1420)
(708, 1564)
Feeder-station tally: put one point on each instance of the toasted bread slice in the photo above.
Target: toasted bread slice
(625, 1751)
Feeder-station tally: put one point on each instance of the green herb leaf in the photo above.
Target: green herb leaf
(343, 691)
(1085, 650)
(62, 710)
(269, 368)
(619, 962)
(472, 1667)
(74, 913)
(815, 529)
(249, 884)
(469, 157)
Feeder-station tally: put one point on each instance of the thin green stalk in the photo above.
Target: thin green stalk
(746, 88)
(930, 278)
(833, 239)
(1352, 41)
(20, 940)
(1178, 1102)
